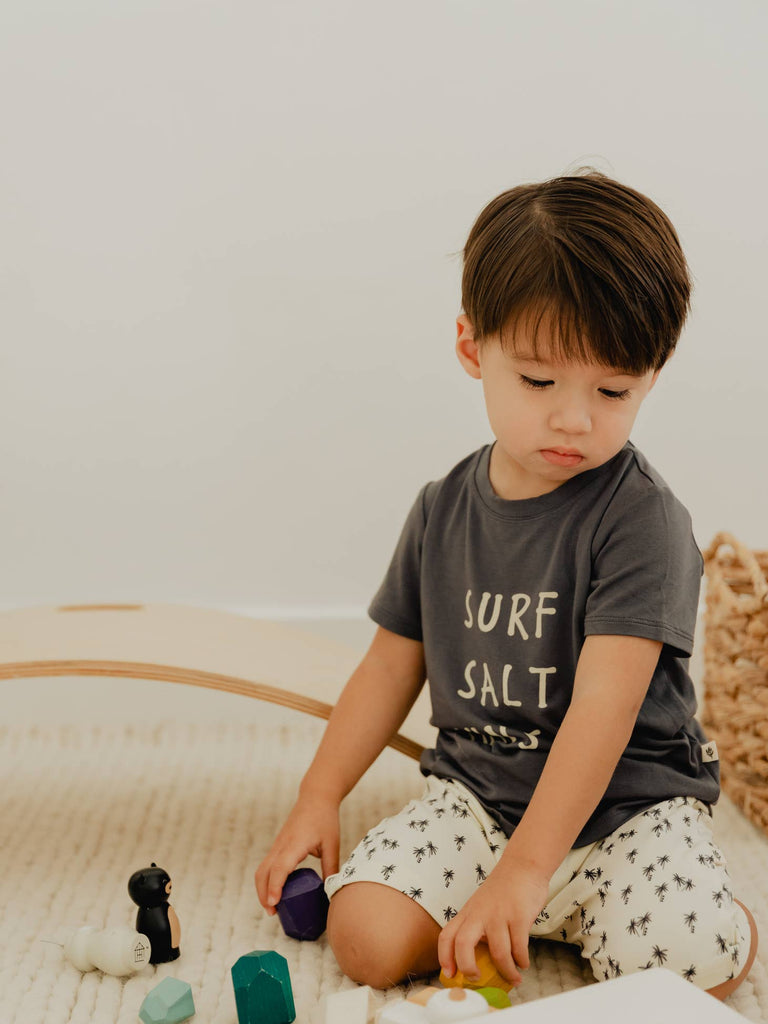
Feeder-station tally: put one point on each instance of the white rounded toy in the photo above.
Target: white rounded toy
(118, 951)
(455, 1004)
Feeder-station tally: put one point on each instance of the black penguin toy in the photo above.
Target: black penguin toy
(149, 889)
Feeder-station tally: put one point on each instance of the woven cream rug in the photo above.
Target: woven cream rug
(81, 808)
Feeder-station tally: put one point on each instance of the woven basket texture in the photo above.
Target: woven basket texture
(736, 671)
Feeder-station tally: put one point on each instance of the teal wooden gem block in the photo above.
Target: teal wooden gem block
(263, 992)
(170, 1002)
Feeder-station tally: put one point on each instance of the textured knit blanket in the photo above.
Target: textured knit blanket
(82, 808)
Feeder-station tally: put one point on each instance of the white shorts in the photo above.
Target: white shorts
(654, 893)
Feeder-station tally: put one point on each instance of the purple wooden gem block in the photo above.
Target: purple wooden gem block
(303, 909)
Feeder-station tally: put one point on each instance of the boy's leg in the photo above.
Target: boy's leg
(656, 893)
(406, 878)
(725, 989)
(379, 936)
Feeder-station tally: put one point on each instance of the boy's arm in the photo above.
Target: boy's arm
(612, 678)
(371, 708)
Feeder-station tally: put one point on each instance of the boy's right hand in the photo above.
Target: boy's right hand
(312, 827)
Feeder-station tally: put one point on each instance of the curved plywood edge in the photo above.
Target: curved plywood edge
(195, 646)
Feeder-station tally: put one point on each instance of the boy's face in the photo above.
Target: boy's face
(552, 420)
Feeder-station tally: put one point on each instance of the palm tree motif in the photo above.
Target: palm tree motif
(648, 871)
(728, 893)
(679, 881)
(659, 955)
(449, 912)
(439, 812)
(592, 874)
(448, 876)
(690, 920)
(688, 841)
(602, 892)
(626, 893)
(689, 973)
(370, 851)
(645, 967)
(419, 853)
(603, 941)
(387, 871)
(722, 945)
(390, 844)
(663, 860)
(543, 916)
(480, 873)
(687, 820)
(632, 927)
(717, 898)
(420, 823)
(349, 870)
(661, 891)
(496, 830)
(431, 849)
(689, 884)
(457, 810)
(658, 829)
(652, 812)
(493, 847)
(627, 835)
(643, 921)
(632, 855)
(415, 894)
(587, 929)
(609, 849)
(615, 967)
(564, 935)
(460, 841)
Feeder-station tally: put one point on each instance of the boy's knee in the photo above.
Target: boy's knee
(374, 942)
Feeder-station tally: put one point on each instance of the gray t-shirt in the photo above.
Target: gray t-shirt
(503, 593)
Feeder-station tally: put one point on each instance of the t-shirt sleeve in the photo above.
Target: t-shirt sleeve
(397, 604)
(646, 573)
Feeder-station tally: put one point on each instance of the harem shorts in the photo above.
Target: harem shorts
(654, 893)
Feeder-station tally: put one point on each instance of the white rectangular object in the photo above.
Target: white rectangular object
(353, 1006)
(658, 995)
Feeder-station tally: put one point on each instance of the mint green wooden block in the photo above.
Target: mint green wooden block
(263, 992)
(170, 1002)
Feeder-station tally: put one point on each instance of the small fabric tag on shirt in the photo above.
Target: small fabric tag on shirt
(709, 752)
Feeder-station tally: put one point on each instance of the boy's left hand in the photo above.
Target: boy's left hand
(500, 913)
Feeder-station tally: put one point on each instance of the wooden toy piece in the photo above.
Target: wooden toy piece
(489, 975)
(170, 1002)
(150, 888)
(303, 906)
(402, 1011)
(422, 996)
(117, 951)
(354, 1006)
(263, 992)
(455, 1004)
(495, 997)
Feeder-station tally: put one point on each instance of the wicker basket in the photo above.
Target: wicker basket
(736, 671)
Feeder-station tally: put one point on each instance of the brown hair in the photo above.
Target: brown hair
(599, 257)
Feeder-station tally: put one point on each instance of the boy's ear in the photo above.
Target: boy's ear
(467, 348)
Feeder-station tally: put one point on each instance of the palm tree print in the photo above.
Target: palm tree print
(448, 876)
(390, 844)
(626, 893)
(659, 955)
(614, 967)
(632, 855)
(663, 860)
(431, 849)
(643, 923)
(689, 973)
(648, 871)
(690, 920)
(420, 824)
(419, 853)
(480, 874)
(460, 842)
(449, 912)
(661, 891)
(459, 810)
(627, 835)
(415, 894)
(717, 898)
(722, 945)
(387, 871)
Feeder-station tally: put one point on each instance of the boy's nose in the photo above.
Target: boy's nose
(571, 418)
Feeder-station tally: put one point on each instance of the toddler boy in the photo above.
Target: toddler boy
(548, 588)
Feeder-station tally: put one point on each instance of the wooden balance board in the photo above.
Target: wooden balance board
(194, 646)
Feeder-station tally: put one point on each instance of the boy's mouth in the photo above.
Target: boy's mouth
(562, 456)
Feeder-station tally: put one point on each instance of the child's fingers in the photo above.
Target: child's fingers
(464, 948)
(445, 951)
(500, 948)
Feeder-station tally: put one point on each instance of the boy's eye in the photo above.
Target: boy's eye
(534, 384)
(618, 395)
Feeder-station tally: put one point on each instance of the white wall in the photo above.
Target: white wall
(228, 283)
